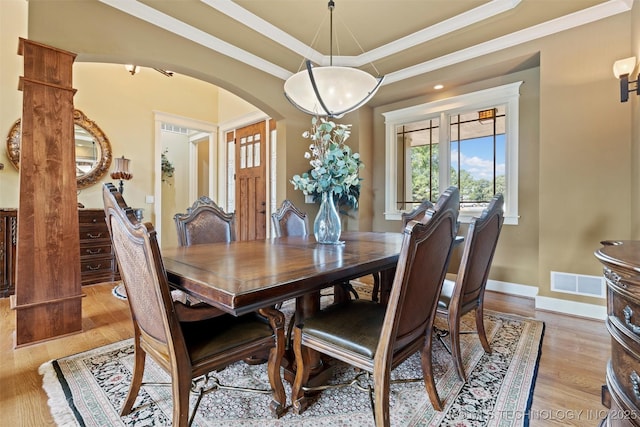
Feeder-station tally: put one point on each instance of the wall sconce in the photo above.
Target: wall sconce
(622, 69)
(133, 69)
(121, 172)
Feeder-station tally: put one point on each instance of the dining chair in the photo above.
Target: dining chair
(204, 222)
(466, 292)
(288, 220)
(416, 214)
(190, 352)
(375, 338)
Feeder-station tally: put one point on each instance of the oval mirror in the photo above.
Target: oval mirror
(93, 150)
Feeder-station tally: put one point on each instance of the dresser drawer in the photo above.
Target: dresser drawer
(93, 234)
(96, 265)
(91, 216)
(100, 249)
(622, 412)
(624, 314)
(625, 369)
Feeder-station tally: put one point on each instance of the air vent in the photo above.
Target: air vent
(578, 284)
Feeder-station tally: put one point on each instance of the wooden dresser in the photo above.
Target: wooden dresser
(97, 259)
(621, 394)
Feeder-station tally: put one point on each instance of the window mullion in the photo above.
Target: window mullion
(444, 155)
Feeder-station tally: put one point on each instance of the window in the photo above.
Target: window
(474, 135)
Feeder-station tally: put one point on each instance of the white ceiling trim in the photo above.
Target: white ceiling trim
(166, 22)
(148, 14)
(592, 14)
(246, 18)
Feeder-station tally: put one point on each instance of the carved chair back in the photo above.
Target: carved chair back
(204, 222)
(288, 220)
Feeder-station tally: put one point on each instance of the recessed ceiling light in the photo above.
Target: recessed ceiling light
(438, 87)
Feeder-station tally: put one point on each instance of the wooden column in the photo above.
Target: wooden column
(48, 290)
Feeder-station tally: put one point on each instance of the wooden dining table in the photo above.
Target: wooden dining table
(242, 276)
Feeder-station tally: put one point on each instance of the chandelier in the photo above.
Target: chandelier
(330, 91)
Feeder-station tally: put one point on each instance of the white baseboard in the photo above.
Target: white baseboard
(512, 288)
(573, 308)
(563, 306)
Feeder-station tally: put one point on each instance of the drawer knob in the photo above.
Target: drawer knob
(94, 251)
(628, 313)
(635, 382)
(94, 268)
(94, 236)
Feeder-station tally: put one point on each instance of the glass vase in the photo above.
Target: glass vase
(327, 226)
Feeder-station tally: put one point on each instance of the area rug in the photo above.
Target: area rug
(88, 389)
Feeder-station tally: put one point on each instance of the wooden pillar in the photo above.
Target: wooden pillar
(48, 298)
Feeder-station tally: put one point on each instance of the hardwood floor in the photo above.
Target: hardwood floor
(567, 391)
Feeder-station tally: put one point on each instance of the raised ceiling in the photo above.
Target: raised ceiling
(399, 39)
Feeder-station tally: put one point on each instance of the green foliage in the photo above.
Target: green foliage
(166, 166)
(425, 179)
(334, 167)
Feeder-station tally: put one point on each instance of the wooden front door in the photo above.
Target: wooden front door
(251, 182)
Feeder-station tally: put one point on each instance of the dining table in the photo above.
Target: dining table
(243, 276)
(240, 277)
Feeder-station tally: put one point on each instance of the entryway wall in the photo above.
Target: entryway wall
(194, 175)
(185, 143)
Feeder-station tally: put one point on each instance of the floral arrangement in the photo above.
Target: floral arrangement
(166, 166)
(334, 167)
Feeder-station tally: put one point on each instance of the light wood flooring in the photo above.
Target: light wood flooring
(567, 390)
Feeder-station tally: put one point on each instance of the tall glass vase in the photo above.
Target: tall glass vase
(327, 226)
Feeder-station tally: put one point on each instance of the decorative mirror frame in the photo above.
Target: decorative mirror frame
(80, 119)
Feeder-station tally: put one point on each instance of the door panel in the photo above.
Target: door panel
(251, 187)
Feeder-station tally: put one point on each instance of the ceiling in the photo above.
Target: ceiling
(400, 39)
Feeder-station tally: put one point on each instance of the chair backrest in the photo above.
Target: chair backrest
(480, 245)
(417, 213)
(204, 222)
(141, 270)
(288, 220)
(422, 265)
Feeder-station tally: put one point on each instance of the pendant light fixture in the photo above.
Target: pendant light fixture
(330, 91)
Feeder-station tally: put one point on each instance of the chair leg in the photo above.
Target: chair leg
(381, 399)
(427, 372)
(480, 328)
(136, 379)
(454, 334)
(180, 390)
(303, 368)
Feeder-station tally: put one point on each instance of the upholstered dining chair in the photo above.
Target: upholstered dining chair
(288, 220)
(466, 292)
(415, 214)
(204, 222)
(189, 351)
(376, 338)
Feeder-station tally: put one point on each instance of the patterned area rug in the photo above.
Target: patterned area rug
(88, 389)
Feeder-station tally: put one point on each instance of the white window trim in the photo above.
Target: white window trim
(508, 95)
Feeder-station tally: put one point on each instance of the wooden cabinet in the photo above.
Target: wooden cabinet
(8, 234)
(621, 260)
(97, 259)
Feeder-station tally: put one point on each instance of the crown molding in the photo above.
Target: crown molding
(494, 7)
